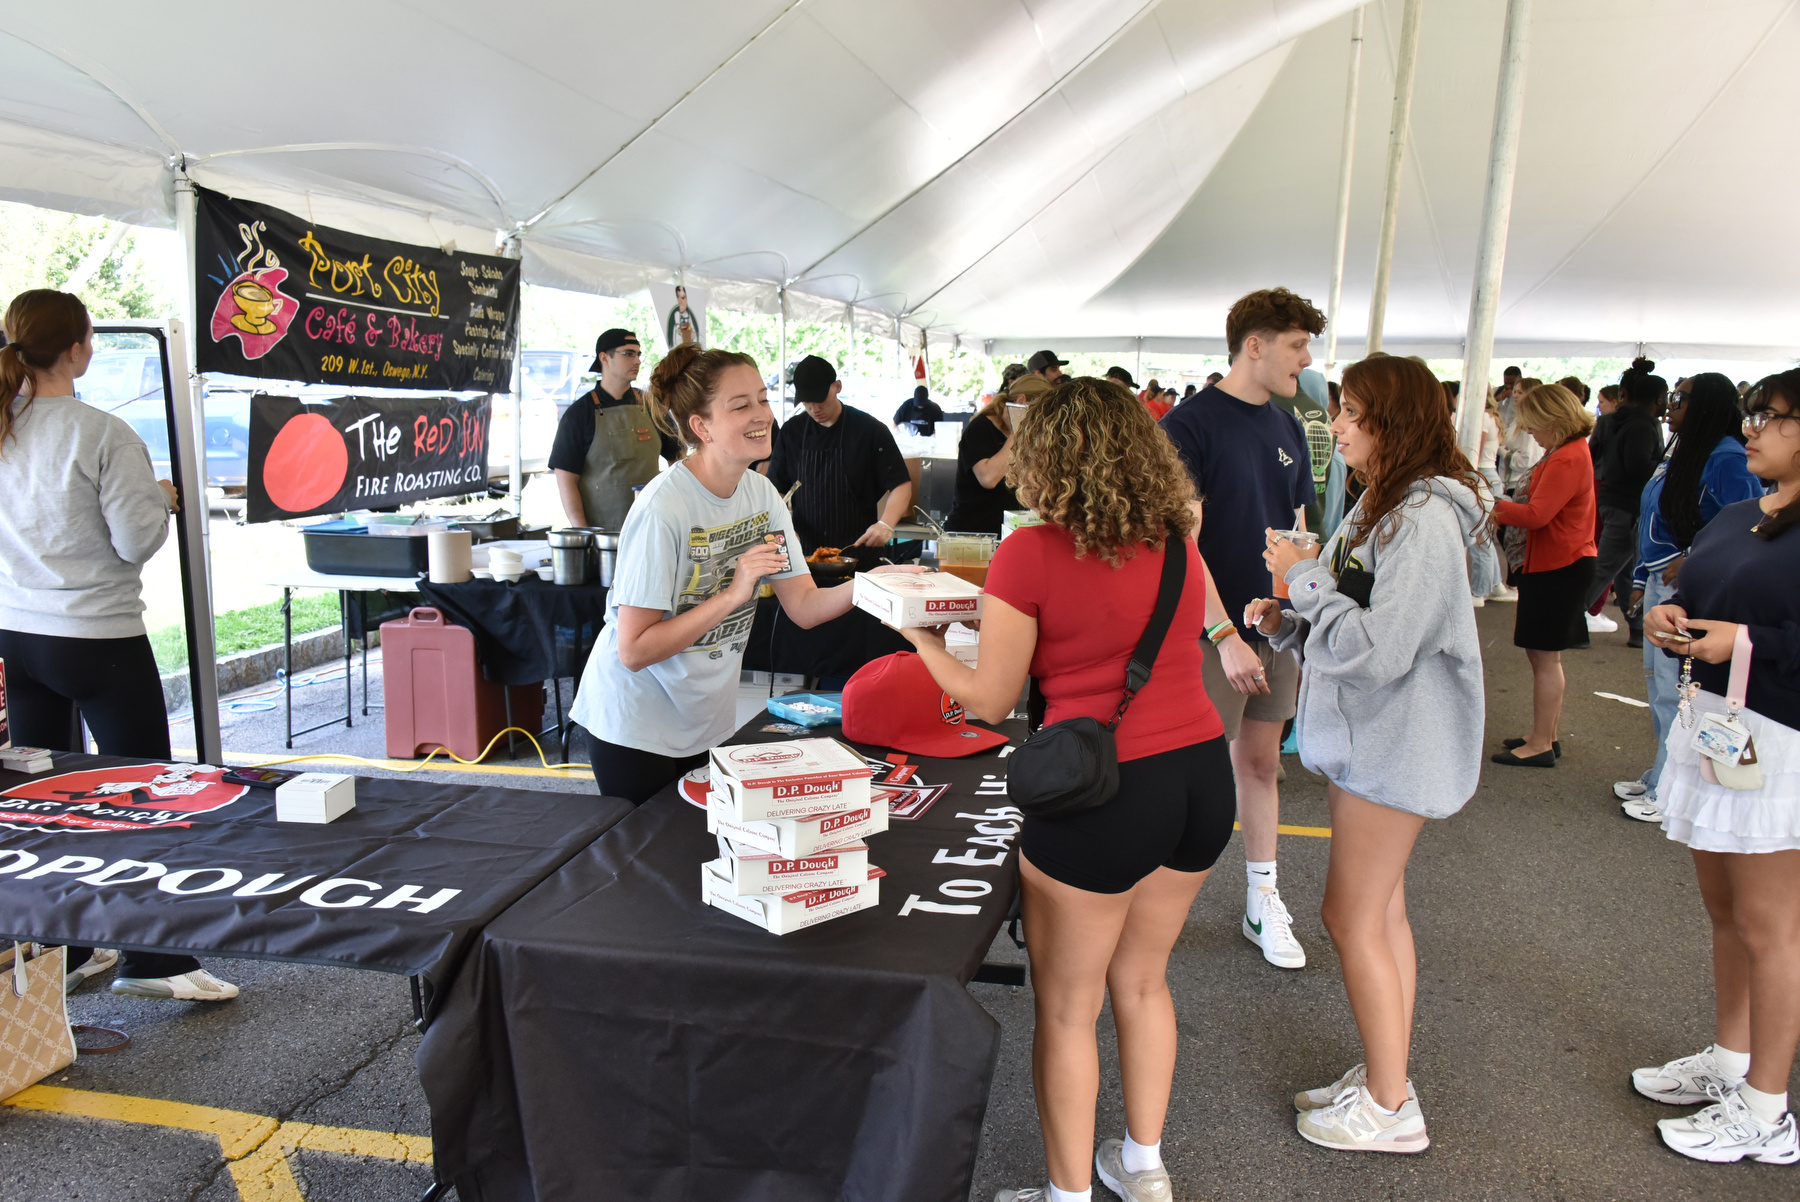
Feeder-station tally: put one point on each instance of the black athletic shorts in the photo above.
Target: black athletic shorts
(1173, 810)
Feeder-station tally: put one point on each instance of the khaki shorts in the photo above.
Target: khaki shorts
(1277, 705)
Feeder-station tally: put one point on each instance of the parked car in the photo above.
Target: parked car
(129, 383)
(557, 376)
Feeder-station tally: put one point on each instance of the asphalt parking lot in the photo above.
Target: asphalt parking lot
(1561, 945)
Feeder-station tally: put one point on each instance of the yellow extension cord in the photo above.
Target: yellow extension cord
(388, 764)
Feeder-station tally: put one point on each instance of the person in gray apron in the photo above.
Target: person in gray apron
(606, 445)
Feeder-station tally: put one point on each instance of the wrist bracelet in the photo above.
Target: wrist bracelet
(1220, 631)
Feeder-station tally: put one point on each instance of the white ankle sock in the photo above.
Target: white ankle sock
(1071, 1195)
(1140, 1158)
(1732, 1064)
(1261, 875)
(1769, 1107)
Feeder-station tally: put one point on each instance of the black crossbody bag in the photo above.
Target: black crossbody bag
(1071, 766)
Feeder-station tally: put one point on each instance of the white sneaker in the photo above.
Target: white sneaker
(1030, 1194)
(1275, 933)
(1684, 1082)
(1600, 624)
(1480, 601)
(1644, 809)
(1502, 593)
(1625, 790)
(1354, 1123)
(1728, 1131)
(99, 961)
(196, 986)
(1151, 1185)
(1318, 1099)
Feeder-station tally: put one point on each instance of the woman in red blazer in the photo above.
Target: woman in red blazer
(1558, 517)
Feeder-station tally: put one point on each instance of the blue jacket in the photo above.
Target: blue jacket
(1725, 480)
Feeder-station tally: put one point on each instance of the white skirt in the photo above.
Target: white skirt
(1710, 817)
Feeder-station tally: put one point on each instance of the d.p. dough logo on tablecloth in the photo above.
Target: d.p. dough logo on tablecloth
(129, 797)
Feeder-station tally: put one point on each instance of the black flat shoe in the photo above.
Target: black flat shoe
(1544, 759)
(1509, 744)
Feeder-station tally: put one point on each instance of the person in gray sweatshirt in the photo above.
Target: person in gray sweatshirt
(1391, 710)
(84, 512)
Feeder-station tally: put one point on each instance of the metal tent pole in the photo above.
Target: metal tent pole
(515, 483)
(1404, 71)
(781, 352)
(1496, 215)
(189, 463)
(1334, 306)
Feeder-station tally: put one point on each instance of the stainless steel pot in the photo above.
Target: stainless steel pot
(569, 555)
(602, 553)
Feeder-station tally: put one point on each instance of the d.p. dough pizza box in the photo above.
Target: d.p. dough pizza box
(758, 874)
(903, 599)
(794, 837)
(796, 911)
(790, 780)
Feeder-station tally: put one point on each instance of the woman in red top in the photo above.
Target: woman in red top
(1558, 516)
(1106, 891)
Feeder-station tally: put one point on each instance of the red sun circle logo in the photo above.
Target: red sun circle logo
(306, 463)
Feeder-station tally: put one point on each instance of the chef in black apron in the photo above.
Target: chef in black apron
(606, 445)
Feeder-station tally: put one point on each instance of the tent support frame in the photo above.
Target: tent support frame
(1335, 304)
(1405, 70)
(1496, 216)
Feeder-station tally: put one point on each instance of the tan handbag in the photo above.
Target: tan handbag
(35, 1039)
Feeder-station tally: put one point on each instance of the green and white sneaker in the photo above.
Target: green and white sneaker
(1275, 932)
(1353, 1123)
(1729, 1131)
(1151, 1185)
(1029, 1194)
(1318, 1099)
(1688, 1081)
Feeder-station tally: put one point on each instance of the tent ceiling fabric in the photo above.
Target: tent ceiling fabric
(1035, 170)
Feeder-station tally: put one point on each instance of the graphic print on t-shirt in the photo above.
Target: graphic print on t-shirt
(712, 562)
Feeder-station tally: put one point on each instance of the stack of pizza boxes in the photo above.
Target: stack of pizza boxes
(791, 819)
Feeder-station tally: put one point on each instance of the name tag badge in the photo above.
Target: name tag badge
(1724, 740)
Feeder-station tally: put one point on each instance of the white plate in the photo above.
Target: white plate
(481, 574)
(512, 577)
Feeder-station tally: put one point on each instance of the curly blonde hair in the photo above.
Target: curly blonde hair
(1088, 458)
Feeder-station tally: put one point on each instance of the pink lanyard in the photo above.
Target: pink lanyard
(1739, 683)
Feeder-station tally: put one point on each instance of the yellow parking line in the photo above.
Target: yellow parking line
(255, 1146)
(1317, 832)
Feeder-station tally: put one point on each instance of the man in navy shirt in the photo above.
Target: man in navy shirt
(1252, 469)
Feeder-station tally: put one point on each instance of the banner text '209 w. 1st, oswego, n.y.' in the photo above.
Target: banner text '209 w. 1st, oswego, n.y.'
(283, 298)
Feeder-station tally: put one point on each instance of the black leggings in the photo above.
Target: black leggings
(53, 684)
(1173, 809)
(635, 775)
(112, 682)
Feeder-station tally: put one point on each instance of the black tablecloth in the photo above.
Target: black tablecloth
(528, 632)
(835, 648)
(613, 1037)
(492, 844)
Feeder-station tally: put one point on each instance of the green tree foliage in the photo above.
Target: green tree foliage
(40, 248)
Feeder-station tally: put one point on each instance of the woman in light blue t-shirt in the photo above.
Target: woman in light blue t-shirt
(660, 689)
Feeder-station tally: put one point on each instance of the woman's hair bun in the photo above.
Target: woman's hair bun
(1643, 365)
(672, 366)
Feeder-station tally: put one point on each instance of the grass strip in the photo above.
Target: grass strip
(247, 629)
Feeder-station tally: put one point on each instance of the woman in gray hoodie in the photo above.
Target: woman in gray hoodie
(1391, 710)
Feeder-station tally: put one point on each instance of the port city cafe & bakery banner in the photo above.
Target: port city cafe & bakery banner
(282, 298)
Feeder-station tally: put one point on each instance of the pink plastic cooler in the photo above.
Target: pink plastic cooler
(436, 695)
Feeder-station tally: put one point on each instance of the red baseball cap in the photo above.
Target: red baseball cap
(894, 702)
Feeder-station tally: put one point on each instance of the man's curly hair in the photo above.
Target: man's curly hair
(1088, 458)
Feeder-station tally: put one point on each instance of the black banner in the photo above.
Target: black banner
(362, 453)
(169, 857)
(283, 298)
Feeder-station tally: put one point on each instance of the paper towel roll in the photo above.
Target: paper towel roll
(448, 553)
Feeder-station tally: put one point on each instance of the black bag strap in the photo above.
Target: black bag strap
(1168, 596)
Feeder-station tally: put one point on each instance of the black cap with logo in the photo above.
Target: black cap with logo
(813, 378)
(1043, 359)
(612, 340)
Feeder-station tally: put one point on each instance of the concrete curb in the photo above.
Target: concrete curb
(246, 669)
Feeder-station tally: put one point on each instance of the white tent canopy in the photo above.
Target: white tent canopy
(1021, 171)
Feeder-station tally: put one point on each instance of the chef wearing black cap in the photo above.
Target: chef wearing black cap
(606, 445)
(844, 460)
(1047, 365)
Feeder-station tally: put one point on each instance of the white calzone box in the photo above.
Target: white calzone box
(790, 780)
(903, 599)
(796, 911)
(315, 797)
(750, 873)
(794, 837)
